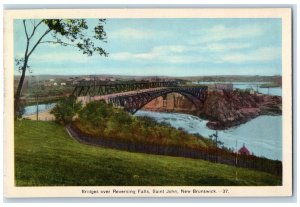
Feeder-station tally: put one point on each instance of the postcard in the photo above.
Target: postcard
(148, 102)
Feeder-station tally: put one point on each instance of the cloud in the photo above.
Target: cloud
(212, 53)
(166, 54)
(168, 70)
(177, 54)
(220, 47)
(133, 33)
(221, 32)
(170, 48)
(219, 53)
(75, 57)
(263, 54)
(132, 56)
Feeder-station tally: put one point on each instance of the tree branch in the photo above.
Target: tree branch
(38, 42)
(32, 23)
(58, 42)
(25, 29)
(34, 28)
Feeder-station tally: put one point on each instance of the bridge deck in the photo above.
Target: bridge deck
(104, 89)
(108, 97)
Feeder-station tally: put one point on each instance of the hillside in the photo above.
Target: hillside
(45, 155)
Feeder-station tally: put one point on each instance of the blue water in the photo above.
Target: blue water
(277, 91)
(262, 135)
(29, 110)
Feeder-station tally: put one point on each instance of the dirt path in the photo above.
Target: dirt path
(43, 116)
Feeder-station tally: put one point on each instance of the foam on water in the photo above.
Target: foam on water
(262, 135)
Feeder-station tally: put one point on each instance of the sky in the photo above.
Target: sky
(166, 47)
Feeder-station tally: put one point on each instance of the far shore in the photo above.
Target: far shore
(42, 116)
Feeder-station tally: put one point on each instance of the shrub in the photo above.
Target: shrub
(96, 113)
(66, 109)
(99, 119)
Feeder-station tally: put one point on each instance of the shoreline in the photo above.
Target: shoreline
(43, 116)
(222, 109)
(249, 162)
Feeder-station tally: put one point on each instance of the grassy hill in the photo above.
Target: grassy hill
(45, 155)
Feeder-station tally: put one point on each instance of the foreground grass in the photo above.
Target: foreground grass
(45, 155)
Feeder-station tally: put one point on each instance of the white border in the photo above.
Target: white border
(11, 191)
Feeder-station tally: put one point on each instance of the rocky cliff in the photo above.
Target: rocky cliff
(223, 109)
(172, 102)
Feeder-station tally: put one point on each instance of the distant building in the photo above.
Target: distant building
(226, 87)
(63, 84)
(252, 91)
(55, 84)
(47, 84)
(87, 78)
(75, 82)
(51, 80)
(102, 78)
(244, 151)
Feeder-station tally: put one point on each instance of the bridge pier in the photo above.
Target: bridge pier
(134, 102)
(140, 94)
(86, 99)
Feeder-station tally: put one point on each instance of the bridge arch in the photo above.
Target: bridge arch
(190, 97)
(134, 102)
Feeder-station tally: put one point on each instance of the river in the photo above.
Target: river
(277, 91)
(262, 135)
(29, 110)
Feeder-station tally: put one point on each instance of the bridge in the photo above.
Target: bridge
(134, 96)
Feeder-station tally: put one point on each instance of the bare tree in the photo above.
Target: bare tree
(65, 32)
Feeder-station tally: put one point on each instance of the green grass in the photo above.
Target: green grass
(270, 85)
(45, 155)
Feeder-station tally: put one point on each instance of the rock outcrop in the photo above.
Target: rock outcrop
(172, 102)
(227, 109)
(223, 109)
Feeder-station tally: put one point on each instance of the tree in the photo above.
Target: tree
(66, 109)
(96, 112)
(64, 32)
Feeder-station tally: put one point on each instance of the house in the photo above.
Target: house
(112, 79)
(224, 86)
(244, 151)
(102, 78)
(47, 84)
(63, 84)
(87, 78)
(55, 84)
(75, 82)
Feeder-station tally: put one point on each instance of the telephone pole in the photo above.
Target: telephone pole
(37, 107)
(37, 98)
(236, 160)
(216, 141)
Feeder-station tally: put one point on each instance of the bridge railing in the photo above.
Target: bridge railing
(133, 102)
(105, 89)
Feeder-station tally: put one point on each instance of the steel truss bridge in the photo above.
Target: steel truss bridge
(105, 89)
(133, 96)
